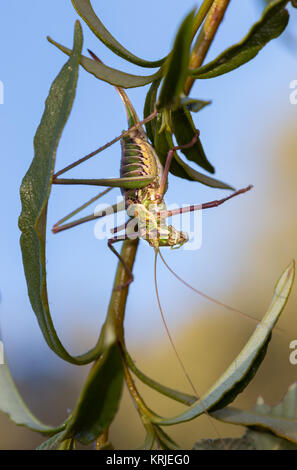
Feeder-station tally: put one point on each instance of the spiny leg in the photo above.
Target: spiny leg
(105, 146)
(134, 182)
(80, 208)
(110, 243)
(206, 205)
(109, 210)
(120, 227)
(169, 160)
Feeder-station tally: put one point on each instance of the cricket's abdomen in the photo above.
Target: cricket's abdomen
(139, 159)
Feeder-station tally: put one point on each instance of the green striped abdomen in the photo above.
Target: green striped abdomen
(139, 159)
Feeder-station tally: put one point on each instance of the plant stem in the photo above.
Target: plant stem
(201, 14)
(205, 37)
(102, 440)
(117, 304)
(146, 414)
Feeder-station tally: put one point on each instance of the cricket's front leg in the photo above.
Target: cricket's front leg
(169, 160)
(110, 243)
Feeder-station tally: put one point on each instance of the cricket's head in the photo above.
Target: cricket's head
(169, 236)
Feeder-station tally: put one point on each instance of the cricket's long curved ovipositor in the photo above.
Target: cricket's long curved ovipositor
(143, 183)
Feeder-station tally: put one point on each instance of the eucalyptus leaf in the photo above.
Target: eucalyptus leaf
(281, 420)
(35, 191)
(272, 23)
(13, 405)
(51, 443)
(169, 392)
(184, 130)
(149, 107)
(193, 104)
(164, 441)
(228, 443)
(267, 441)
(99, 399)
(176, 65)
(163, 142)
(108, 74)
(194, 175)
(243, 369)
(86, 12)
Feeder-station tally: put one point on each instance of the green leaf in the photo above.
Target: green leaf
(193, 104)
(228, 443)
(272, 23)
(184, 130)
(163, 143)
(35, 191)
(51, 443)
(13, 405)
(267, 441)
(149, 107)
(281, 420)
(86, 12)
(99, 399)
(242, 370)
(176, 65)
(169, 392)
(67, 444)
(164, 441)
(108, 74)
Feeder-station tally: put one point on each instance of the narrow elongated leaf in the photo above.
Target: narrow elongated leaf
(13, 405)
(108, 74)
(242, 370)
(86, 12)
(99, 399)
(169, 392)
(163, 143)
(184, 130)
(193, 104)
(51, 443)
(164, 441)
(272, 23)
(267, 441)
(35, 191)
(228, 443)
(149, 107)
(281, 420)
(176, 66)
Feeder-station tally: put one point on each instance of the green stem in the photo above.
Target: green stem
(146, 414)
(201, 14)
(117, 304)
(205, 37)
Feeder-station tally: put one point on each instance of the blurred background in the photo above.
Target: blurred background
(249, 134)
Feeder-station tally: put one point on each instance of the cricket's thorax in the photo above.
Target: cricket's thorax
(140, 159)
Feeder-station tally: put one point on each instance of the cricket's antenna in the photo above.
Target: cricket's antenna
(211, 299)
(157, 251)
(167, 330)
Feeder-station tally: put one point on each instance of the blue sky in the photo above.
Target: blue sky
(81, 268)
